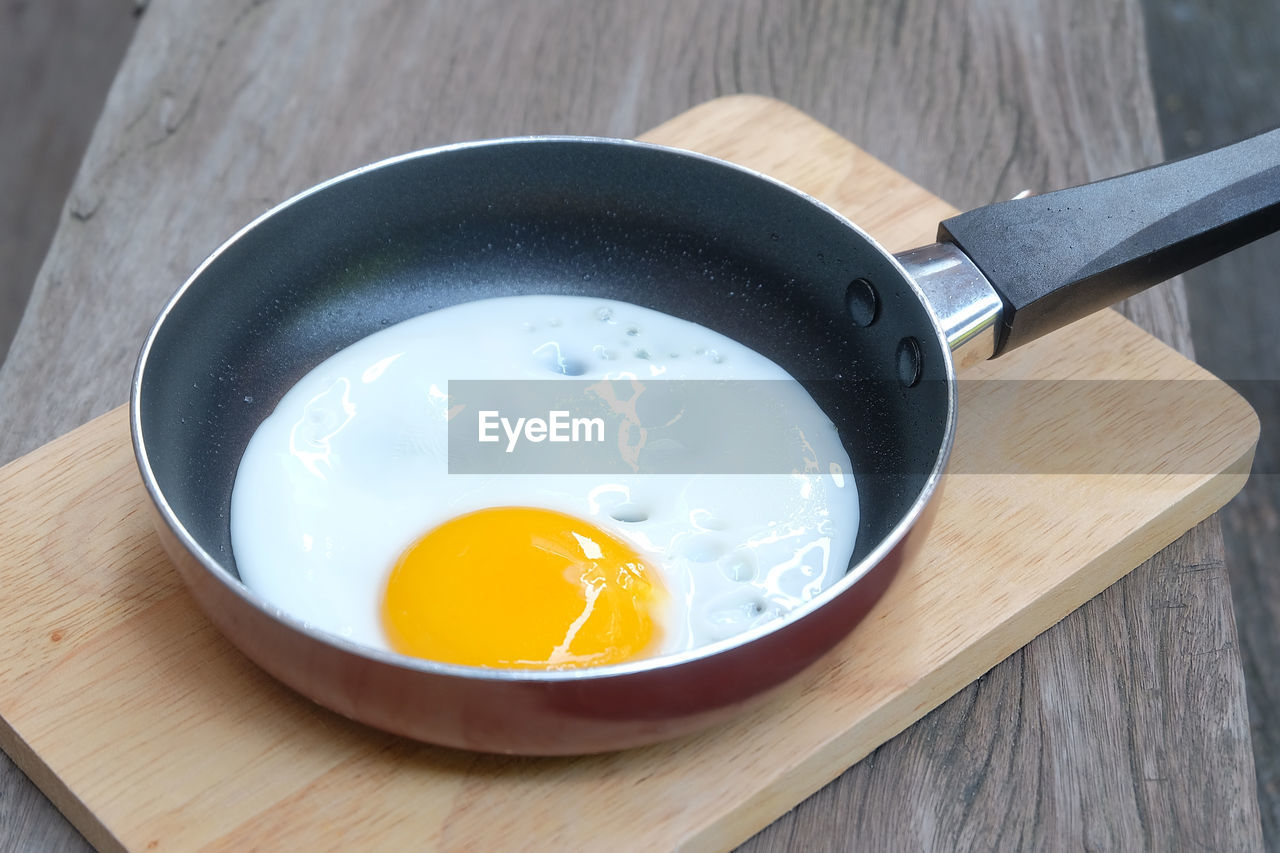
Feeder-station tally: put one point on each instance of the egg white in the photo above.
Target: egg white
(352, 467)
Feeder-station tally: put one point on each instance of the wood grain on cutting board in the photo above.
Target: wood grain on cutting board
(149, 730)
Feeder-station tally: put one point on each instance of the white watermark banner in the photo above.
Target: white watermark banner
(658, 426)
(637, 426)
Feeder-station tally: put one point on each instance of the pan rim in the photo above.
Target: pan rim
(418, 666)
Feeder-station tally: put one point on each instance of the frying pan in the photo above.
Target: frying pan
(874, 337)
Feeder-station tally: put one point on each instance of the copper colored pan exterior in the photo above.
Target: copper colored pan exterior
(532, 717)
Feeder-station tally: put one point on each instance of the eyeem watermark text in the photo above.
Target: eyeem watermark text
(558, 426)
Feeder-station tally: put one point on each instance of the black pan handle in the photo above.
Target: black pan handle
(1057, 257)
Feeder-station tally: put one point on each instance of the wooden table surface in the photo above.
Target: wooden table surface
(1123, 726)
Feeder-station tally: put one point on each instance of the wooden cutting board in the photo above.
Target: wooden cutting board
(151, 732)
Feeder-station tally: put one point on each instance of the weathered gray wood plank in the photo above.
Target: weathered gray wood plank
(1215, 82)
(57, 59)
(1123, 726)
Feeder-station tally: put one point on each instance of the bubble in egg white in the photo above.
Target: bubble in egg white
(735, 611)
(704, 520)
(739, 566)
(629, 513)
(699, 547)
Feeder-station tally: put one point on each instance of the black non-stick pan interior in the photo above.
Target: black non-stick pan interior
(680, 234)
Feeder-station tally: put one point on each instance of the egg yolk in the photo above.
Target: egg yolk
(521, 588)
